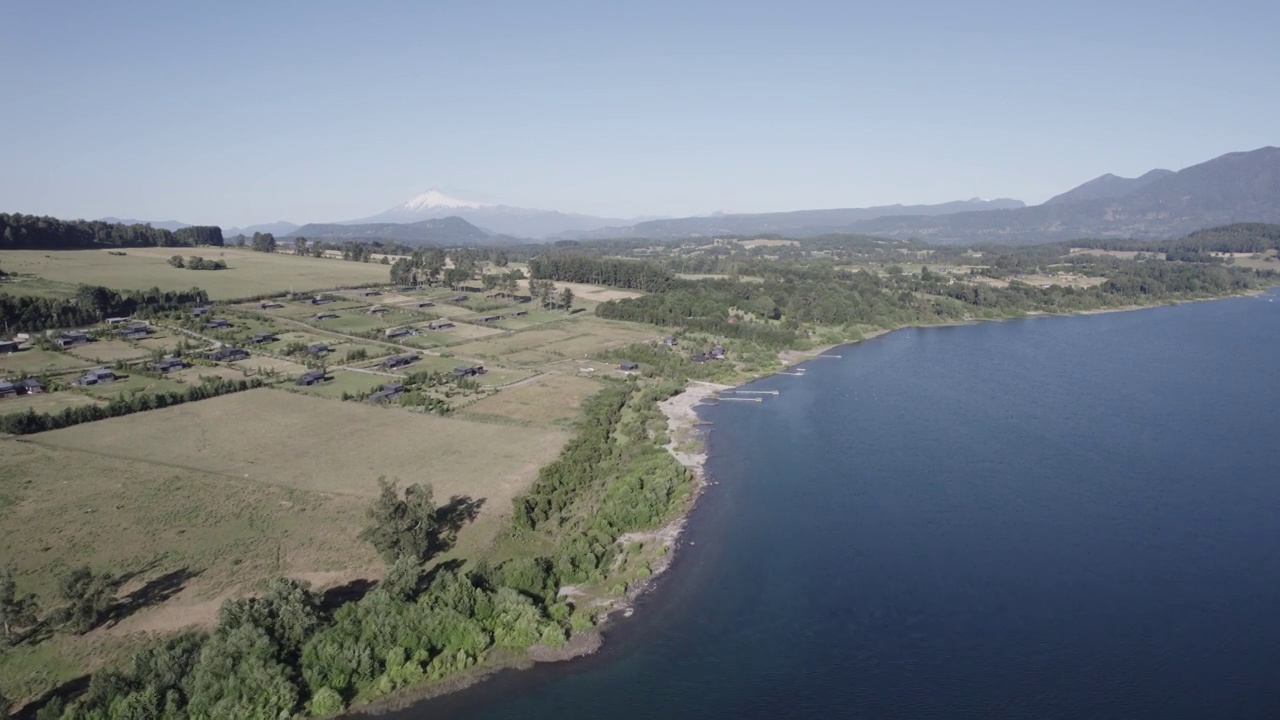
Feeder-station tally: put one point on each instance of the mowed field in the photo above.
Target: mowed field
(188, 538)
(542, 400)
(249, 273)
(301, 442)
(576, 338)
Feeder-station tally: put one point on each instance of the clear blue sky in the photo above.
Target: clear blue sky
(241, 112)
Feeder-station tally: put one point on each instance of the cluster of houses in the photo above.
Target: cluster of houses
(399, 361)
(228, 354)
(25, 386)
(70, 339)
(311, 377)
(389, 391)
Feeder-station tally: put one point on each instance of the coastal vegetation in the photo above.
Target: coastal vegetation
(508, 533)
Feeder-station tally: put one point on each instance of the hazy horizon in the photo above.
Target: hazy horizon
(241, 114)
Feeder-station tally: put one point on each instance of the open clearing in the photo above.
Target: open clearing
(570, 339)
(598, 293)
(308, 443)
(108, 351)
(544, 400)
(192, 538)
(37, 362)
(49, 402)
(249, 273)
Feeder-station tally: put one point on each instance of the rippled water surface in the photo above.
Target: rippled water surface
(1051, 518)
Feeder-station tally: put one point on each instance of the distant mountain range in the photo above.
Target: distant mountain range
(498, 219)
(161, 224)
(797, 223)
(1236, 187)
(436, 231)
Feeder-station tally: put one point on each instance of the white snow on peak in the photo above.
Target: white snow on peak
(433, 198)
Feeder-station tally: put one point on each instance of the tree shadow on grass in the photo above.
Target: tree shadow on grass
(154, 592)
(354, 591)
(452, 516)
(64, 693)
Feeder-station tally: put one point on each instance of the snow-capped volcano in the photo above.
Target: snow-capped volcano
(433, 199)
(500, 219)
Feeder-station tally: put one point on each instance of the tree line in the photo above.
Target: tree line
(32, 232)
(29, 422)
(91, 304)
(614, 272)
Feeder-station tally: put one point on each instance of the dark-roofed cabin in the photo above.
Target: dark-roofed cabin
(317, 300)
(371, 293)
(408, 288)
(202, 310)
(326, 316)
(390, 391)
(397, 361)
(8, 346)
(71, 339)
(440, 326)
(270, 306)
(717, 352)
(670, 341)
(168, 365)
(133, 332)
(458, 298)
(96, 377)
(262, 337)
(468, 371)
(310, 377)
(700, 358)
(490, 318)
(8, 389)
(471, 289)
(31, 386)
(426, 303)
(377, 309)
(520, 313)
(217, 324)
(397, 332)
(318, 348)
(628, 366)
(228, 354)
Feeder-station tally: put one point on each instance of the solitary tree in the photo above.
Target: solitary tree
(566, 298)
(300, 246)
(88, 595)
(406, 526)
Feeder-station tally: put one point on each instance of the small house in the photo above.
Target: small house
(228, 354)
(440, 326)
(371, 293)
(262, 337)
(670, 341)
(490, 318)
(628, 366)
(468, 371)
(390, 391)
(168, 365)
(398, 361)
(700, 358)
(425, 304)
(717, 352)
(377, 310)
(326, 316)
(30, 386)
(133, 332)
(71, 339)
(458, 299)
(318, 348)
(270, 306)
(9, 346)
(408, 288)
(520, 313)
(310, 377)
(217, 324)
(319, 300)
(201, 311)
(471, 289)
(117, 320)
(397, 332)
(96, 377)
(8, 389)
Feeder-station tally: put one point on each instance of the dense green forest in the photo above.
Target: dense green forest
(31, 232)
(629, 274)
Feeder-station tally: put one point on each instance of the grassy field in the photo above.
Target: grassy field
(132, 383)
(35, 362)
(355, 383)
(108, 351)
(570, 339)
(192, 536)
(544, 400)
(45, 402)
(249, 273)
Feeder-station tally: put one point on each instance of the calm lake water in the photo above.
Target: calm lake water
(1051, 518)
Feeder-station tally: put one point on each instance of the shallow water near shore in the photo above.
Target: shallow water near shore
(1049, 518)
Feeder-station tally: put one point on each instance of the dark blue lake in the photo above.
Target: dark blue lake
(1050, 518)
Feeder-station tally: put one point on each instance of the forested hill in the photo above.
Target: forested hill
(31, 232)
(1233, 188)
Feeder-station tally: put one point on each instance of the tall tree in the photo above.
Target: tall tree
(16, 611)
(407, 526)
(566, 298)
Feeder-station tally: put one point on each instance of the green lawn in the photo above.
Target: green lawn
(343, 381)
(38, 362)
